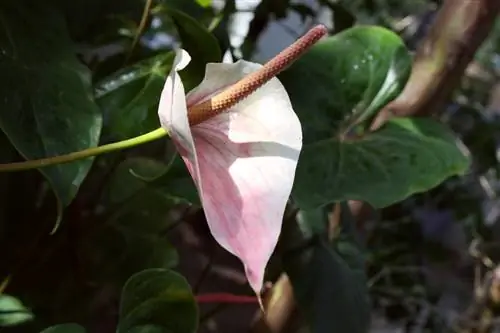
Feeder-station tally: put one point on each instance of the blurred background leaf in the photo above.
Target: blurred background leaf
(149, 295)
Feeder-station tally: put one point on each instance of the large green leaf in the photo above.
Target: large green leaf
(64, 328)
(46, 101)
(158, 298)
(13, 312)
(129, 98)
(342, 82)
(406, 156)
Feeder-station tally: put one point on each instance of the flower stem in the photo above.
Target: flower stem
(18, 166)
(197, 113)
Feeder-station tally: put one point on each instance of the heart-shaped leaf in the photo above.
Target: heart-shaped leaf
(344, 81)
(158, 297)
(46, 101)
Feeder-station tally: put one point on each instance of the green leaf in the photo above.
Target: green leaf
(133, 239)
(129, 98)
(65, 328)
(342, 82)
(204, 3)
(345, 79)
(87, 18)
(46, 101)
(329, 280)
(198, 42)
(404, 157)
(177, 182)
(13, 312)
(136, 174)
(132, 175)
(333, 296)
(146, 211)
(158, 297)
(148, 329)
(191, 8)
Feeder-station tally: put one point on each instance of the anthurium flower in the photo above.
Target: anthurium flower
(242, 160)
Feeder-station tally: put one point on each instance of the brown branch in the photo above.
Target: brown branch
(479, 316)
(459, 29)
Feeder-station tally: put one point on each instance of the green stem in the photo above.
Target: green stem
(78, 155)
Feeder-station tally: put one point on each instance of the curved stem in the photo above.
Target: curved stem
(140, 29)
(129, 143)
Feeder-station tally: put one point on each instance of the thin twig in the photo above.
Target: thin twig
(140, 29)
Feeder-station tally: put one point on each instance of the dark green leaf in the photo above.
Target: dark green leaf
(64, 328)
(86, 18)
(198, 42)
(46, 101)
(134, 238)
(116, 254)
(129, 99)
(158, 297)
(170, 181)
(328, 279)
(13, 312)
(333, 296)
(132, 175)
(177, 182)
(148, 329)
(146, 212)
(404, 157)
(191, 8)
